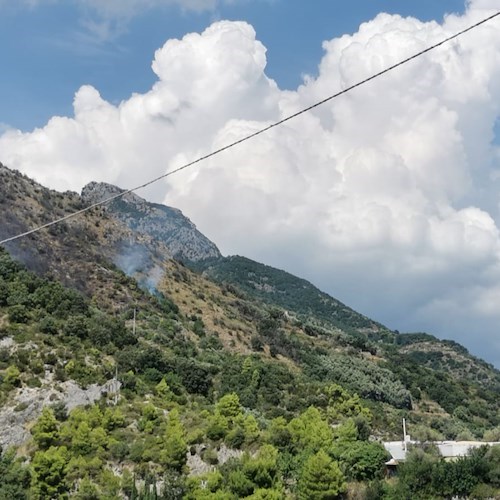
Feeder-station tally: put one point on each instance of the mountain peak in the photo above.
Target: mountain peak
(166, 224)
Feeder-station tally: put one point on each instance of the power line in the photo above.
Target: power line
(254, 134)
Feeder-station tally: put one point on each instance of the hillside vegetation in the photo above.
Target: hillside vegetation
(277, 287)
(213, 390)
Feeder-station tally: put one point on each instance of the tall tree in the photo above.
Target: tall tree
(320, 479)
(14, 477)
(174, 451)
(46, 430)
(49, 473)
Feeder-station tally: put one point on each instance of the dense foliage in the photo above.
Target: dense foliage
(278, 287)
(297, 414)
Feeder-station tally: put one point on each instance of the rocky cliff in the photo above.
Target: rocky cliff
(165, 224)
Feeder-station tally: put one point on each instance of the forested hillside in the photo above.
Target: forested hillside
(274, 286)
(195, 388)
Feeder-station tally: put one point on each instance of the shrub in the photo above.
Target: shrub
(18, 314)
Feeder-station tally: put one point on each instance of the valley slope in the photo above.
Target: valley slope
(208, 357)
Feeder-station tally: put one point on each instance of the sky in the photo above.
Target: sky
(387, 197)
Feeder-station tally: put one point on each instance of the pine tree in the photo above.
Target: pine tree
(321, 479)
(46, 430)
(49, 473)
(229, 406)
(174, 452)
(14, 476)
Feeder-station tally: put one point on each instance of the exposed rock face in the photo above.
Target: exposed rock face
(197, 466)
(28, 403)
(163, 223)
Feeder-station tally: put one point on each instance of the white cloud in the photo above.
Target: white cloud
(386, 197)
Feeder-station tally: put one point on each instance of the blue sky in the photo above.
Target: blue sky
(387, 198)
(47, 53)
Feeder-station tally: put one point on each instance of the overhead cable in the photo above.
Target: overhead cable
(254, 134)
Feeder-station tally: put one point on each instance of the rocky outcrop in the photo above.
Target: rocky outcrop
(165, 224)
(197, 466)
(18, 417)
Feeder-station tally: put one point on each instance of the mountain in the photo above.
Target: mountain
(76, 252)
(165, 224)
(170, 227)
(274, 286)
(122, 368)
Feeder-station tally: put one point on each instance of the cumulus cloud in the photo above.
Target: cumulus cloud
(386, 197)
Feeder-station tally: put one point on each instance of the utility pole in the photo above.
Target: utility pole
(116, 385)
(404, 435)
(133, 327)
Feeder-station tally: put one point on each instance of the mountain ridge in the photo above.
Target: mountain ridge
(166, 224)
(219, 353)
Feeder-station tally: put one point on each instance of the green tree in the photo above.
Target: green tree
(49, 473)
(18, 293)
(235, 437)
(310, 431)
(109, 485)
(14, 477)
(239, 483)
(87, 490)
(266, 494)
(48, 324)
(346, 432)
(320, 479)
(128, 484)
(163, 390)
(416, 473)
(77, 326)
(251, 429)
(341, 404)
(493, 459)
(81, 440)
(210, 481)
(174, 450)
(362, 460)
(229, 406)
(113, 418)
(79, 466)
(262, 470)
(18, 314)
(278, 433)
(46, 430)
(218, 427)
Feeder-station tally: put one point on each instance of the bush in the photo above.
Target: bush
(235, 438)
(34, 382)
(48, 325)
(18, 314)
(210, 456)
(119, 450)
(484, 492)
(363, 461)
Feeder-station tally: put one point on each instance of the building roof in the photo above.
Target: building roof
(448, 449)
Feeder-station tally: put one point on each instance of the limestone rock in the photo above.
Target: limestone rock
(165, 224)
